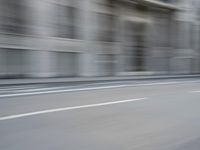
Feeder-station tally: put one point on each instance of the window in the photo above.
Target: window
(106, 27)
(13, 20)
(64, 21)
(13, 63)
(67, 64)
(106, 64)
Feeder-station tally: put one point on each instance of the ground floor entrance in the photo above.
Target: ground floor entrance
(134, 46)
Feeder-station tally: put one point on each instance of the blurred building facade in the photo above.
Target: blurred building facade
(71, 38)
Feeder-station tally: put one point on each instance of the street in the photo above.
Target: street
(151, 115)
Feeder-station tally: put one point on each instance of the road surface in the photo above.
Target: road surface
(160, 115)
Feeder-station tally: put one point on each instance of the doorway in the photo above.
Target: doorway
(134, 46)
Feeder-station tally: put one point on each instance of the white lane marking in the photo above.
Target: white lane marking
(57, 91)
(35, 92)
(48, 88)
(159, 83)
(194, 91)
(17, 88)
(68, 108)
(84, 89)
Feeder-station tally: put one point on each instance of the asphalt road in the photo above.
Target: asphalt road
(150, 116)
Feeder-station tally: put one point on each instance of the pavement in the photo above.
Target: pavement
(137, 115)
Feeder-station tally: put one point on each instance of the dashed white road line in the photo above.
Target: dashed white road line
(68, 108)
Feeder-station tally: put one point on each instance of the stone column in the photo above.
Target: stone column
(3, 69)
(87, 62)
(41, 60)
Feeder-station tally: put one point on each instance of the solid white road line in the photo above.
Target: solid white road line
(68, 108)
(57, 91)
(36, 91)
(84, 89)
(194, 91)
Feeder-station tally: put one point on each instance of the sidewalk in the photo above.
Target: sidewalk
(91, 79)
